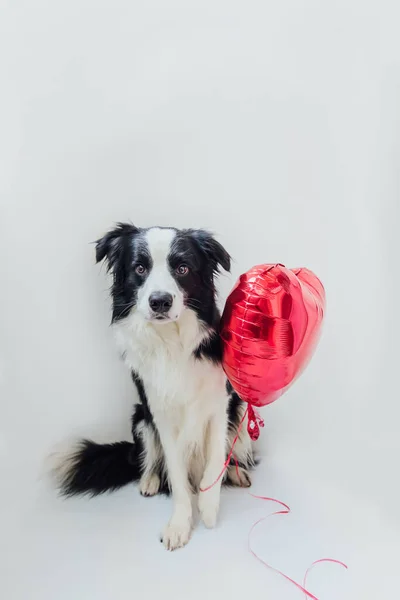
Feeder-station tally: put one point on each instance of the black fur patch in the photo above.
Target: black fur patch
(98, 468)
(234, 406)
(123, 249)
(204, 256)
(210, 349)
(142, 412)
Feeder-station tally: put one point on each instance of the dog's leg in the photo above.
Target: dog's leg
(177, 532)
(244, 453)
(216, 441)
(152, 463)
(237, 476)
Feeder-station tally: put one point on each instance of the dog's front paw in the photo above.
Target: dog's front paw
(149, 484)
(177, 533)
(208, 507)
(238, 477)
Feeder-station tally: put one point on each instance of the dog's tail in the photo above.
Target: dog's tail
(97, 468)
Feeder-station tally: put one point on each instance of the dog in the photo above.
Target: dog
(166, 325)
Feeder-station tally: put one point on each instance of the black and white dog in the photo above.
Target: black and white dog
(166, 325)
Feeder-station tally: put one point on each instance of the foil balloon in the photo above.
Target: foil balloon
(269, 330)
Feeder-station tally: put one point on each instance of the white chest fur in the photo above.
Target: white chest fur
(175, 381)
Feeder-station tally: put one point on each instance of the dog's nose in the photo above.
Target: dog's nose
(160, 302)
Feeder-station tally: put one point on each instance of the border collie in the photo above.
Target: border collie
(166, 324)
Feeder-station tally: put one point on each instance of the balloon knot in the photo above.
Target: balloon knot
(254, 424)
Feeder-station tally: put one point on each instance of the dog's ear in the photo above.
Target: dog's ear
(213, 250)
(110, 246)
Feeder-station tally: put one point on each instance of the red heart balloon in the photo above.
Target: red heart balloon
(269, 329)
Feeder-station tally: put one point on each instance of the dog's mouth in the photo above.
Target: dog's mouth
(155, 318)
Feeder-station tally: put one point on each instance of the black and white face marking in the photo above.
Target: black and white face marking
(160, 272)
(159, 298)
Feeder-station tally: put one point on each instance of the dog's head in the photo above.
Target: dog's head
(160, 272)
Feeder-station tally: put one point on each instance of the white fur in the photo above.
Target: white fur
(160, 278)
(150, 480)
(188, 400)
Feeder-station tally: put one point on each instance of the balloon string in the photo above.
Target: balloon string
(322, 560)
(286, 511)
(228, 460)
(237, 469)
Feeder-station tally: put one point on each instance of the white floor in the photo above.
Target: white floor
(108, 548)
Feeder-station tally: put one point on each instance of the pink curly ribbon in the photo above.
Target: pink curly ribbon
(285, 511)
(322, 560)
(253, 427)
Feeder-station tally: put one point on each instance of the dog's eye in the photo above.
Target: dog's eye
(140, 269)
(182, 270)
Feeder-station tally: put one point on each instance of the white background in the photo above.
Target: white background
(275, 124)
